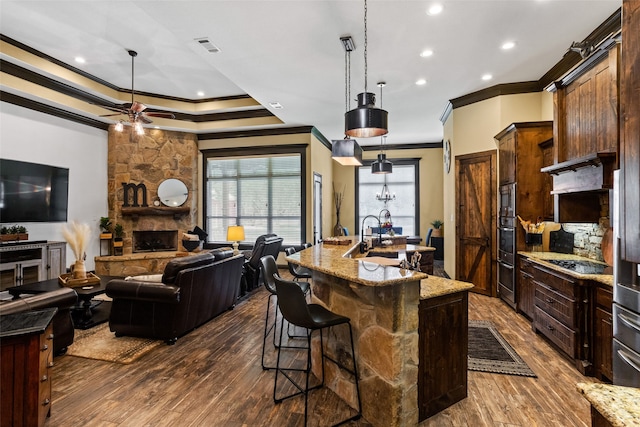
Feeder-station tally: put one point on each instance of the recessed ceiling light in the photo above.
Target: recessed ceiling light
(487, 77)
(426, 53)
(80, 60)
(508, 45)
(276, 105)
(434, 9)
(200, 93)
(421, 82)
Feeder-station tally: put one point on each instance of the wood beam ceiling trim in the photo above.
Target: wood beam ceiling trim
(255, 133)
(53, 111)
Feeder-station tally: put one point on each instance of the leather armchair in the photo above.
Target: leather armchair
(269, 245)
(194, 289)
(63, 299)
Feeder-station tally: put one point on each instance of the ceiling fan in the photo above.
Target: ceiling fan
(135, 110)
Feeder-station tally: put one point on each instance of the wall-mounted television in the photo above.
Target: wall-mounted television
(31, 192)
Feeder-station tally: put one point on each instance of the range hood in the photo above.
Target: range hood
(581, 187)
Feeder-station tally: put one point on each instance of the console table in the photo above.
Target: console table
(31, 261)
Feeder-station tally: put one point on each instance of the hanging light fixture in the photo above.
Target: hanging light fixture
(385, 195)
(366, 120)
(346, 151)
(382, 165)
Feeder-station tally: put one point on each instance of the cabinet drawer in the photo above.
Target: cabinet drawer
(525, 266)
(558, 333)
(559, 282)
(604, 298)
(556, 304)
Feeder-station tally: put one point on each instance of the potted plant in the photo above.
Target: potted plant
(118, 230)
(13, 233)
(437, 228)
(105, 228)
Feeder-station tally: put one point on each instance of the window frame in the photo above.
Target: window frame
(415, 162)
(299, 149)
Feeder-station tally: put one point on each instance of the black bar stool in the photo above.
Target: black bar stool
(269, 269)
(297, 271)
(296, 311)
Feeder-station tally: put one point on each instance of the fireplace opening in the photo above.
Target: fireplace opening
(153, 241)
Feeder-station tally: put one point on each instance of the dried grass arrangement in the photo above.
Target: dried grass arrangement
(77, 236)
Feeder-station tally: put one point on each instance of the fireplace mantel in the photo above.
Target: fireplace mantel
(155, 210)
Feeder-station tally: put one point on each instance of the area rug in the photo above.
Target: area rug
(490, 352)
(101, 344)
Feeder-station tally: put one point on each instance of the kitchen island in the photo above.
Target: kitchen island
(385, 304)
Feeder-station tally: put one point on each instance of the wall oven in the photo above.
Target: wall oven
(507, 244)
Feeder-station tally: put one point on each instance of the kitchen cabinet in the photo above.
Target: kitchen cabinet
(25, 362)
(526, 287)
(29, 262)
(561, 314)
(443, 348)
(547, 181)
(520, 160)
(603, 333)
(630, 134)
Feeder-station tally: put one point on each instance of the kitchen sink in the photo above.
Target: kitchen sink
(384, 254)
(579, 266)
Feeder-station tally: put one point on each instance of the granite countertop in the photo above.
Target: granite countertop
(336, 260)
(435, 286)
(541, 258)
(619, 405)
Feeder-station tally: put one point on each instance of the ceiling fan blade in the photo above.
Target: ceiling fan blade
(120, 110)
(144, 119)
(162, 115)
(138, 106)
(111, 115)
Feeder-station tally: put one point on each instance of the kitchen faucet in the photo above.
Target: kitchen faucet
(363, 245)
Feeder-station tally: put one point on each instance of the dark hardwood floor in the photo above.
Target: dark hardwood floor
(213, 377)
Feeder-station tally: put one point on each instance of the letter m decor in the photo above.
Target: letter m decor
(134, 188)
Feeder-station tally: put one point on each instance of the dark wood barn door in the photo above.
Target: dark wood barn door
(476, 195)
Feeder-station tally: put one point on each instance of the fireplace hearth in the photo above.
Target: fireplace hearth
(155, 241)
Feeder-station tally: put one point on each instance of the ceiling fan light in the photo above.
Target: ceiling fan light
(382, 165)
(139, 129)
(366, 120)
(347, 152)
(119, 127)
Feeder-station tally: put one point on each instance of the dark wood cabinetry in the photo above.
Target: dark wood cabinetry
(526, 287)
(26, 361)
(630, 133)
(603, 333)
(442, 372)
(547, 181)
(561, 314)
(520, 160)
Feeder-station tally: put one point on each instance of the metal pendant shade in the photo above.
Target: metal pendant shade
(382, 165)
(366, 120)
(347, 152)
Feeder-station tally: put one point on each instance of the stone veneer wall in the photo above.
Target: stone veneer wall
(149, 159)
(385, 328)
(587, 241)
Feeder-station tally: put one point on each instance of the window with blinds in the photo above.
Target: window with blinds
(263, 194)
(402, 184)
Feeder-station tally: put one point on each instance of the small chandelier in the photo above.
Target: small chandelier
(385, 195)
(366, 120)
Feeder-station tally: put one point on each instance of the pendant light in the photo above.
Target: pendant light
(382, 165)
(346, 151)
(366, 120)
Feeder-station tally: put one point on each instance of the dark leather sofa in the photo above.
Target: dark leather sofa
(194, 290)
(63, 299)
(268, 244)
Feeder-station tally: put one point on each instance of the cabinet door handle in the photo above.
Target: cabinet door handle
(45, 402)
(50, 365)
(549, 327)
(45, 348)
(50, 336)
(44, 378)
(550, 300)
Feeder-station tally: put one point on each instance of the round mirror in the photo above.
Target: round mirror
(172, 192)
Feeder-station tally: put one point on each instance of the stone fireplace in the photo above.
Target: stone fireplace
(153, 240)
